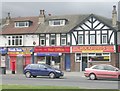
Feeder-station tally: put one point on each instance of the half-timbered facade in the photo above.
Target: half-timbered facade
(69, 42)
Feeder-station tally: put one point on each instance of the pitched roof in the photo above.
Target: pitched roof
(73, 20)
(10, 29)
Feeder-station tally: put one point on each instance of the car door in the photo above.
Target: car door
(44, 71)
(99, 71)
(110, 72)
(34, 69)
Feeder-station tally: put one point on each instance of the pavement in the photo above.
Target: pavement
(8, 72)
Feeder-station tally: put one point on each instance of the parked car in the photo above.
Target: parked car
(42, 70)
(102, 71)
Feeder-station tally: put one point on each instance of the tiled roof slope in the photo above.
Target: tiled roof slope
(10, 29)
(73, 20)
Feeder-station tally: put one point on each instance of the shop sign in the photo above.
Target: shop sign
(15, 49)
(93, 49)
(3, 50)
(52, 49)
(20, 51)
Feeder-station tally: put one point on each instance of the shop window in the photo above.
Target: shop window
(99, 57)
(56, 59)
(78, 57)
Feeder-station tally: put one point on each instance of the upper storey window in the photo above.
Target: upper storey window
(21, 24)
(57, 22)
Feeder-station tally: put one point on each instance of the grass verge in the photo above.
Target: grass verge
(47, 88)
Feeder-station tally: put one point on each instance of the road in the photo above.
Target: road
(77, 81)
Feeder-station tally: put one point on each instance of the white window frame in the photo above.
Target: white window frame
(11, 39)
(42, 39)
(52, 38)
(25, 23)
(63, 38)
(105, 35)
(52, 22)
(80, 35)
(91, 39)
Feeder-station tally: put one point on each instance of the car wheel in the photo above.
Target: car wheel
(52, 75)
(92, 76)
(28, 74)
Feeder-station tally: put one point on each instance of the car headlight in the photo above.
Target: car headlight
(57, 71)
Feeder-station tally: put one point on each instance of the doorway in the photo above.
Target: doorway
(84, 63)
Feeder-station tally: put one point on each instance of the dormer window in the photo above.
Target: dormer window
(21, 24)
(57, 22)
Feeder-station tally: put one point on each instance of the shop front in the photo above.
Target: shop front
(86, 56)
(19, 58)
(51, 55)
(3, 60)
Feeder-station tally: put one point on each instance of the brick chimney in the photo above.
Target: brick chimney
(8, 18)
(41, 17)
(114, 17)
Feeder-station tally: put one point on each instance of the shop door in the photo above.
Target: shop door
(84, 63)
(48, 58)
(67, 62)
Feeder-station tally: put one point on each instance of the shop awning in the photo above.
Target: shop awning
(48, 54)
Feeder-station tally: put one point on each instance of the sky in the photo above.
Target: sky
(21, 8)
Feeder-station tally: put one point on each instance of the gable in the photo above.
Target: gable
(93, 23)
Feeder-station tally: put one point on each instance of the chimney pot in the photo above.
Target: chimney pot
(41, 16)
(8, 19)
(114, 16)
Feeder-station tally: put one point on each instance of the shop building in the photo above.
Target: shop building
(69, 42)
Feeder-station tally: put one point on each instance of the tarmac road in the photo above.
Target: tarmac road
(76, 79)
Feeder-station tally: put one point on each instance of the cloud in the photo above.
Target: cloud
(57, 8)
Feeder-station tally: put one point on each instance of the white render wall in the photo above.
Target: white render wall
(29, 39)
(58, 39)
(3, 41)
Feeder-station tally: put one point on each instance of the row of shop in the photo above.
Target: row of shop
(75, 58)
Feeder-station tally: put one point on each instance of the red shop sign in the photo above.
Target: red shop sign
(53, 49)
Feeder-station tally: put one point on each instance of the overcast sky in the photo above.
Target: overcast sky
(57, 8)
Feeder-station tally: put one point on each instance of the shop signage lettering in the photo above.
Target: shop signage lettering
(19, 51)
(86, 49)
(52, 49)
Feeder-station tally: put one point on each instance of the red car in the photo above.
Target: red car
(102, 71)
